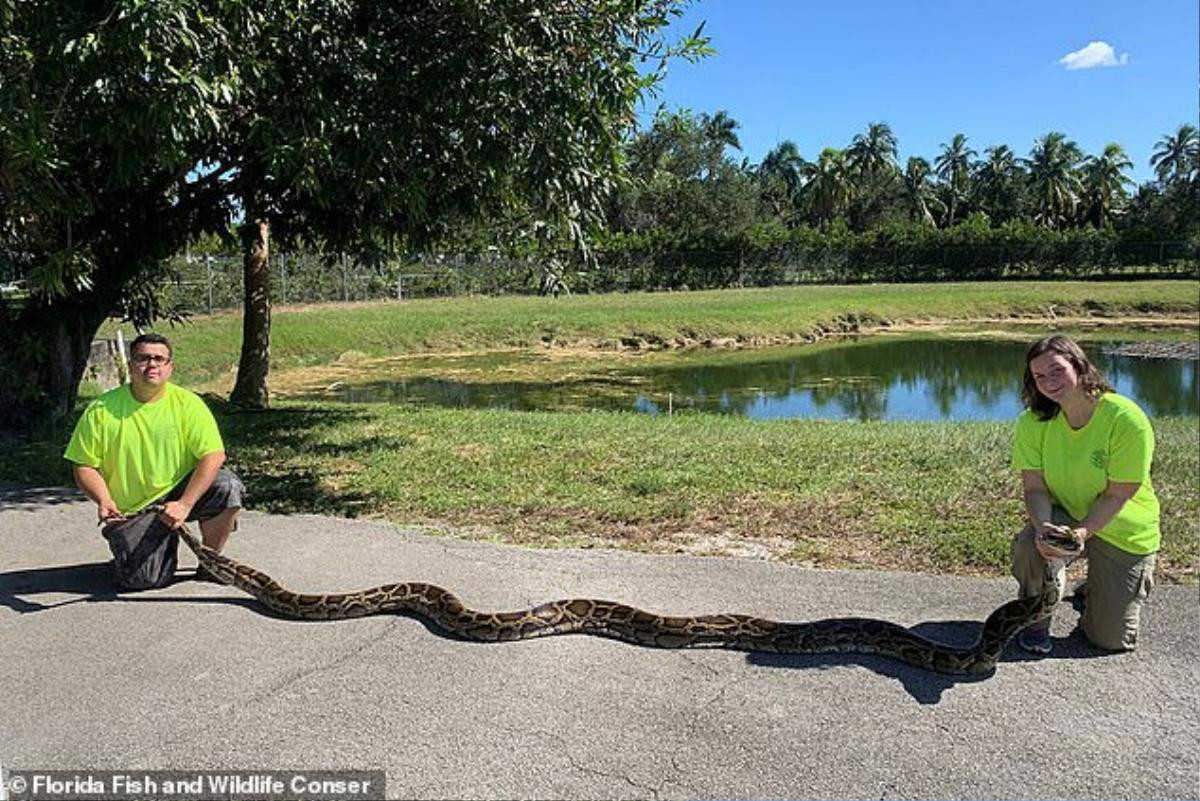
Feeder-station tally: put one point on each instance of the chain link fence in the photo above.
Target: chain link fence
(207, 283)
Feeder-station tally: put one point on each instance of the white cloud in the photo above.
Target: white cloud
(1096, 54)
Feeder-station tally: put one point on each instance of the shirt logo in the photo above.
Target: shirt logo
(1099, 459)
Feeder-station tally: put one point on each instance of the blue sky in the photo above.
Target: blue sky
(818, 72)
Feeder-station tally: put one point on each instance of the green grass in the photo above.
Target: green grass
(935, 497)
(316, 335)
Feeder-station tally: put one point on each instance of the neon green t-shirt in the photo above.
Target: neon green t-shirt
(143, 449)
(1116, 444)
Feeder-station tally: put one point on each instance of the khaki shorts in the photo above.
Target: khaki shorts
(1117, 584)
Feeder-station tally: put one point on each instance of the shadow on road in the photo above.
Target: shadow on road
(927, 687)
(90, 582)
(15, 498)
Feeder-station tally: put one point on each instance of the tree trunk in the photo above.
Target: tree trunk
(45, 352)
(251, 388)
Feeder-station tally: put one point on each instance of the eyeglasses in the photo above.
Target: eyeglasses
(150, 358)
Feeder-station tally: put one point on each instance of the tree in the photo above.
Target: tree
(1054, 180)
(954, 168)
(872, 161)
(920, 197)
(1104, 182)
(874, 153)
(997, 184)
(682, 182)
(250, 388)
(1176, 157)
(829, 188)
(720, 132)
(781, 172)
(132, 128)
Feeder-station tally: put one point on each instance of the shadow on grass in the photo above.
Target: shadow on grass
(265, 448)
(36, 460)
(280, 485)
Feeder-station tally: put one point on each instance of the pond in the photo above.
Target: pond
(883, 377)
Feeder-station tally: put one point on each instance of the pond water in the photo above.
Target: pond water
(887, 377)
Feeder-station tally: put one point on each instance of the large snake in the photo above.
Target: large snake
(619, 621)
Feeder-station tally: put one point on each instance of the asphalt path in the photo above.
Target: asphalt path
(194, 676)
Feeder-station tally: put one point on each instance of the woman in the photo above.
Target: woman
(1084, 454)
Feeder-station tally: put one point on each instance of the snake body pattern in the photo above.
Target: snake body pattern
(633, 625)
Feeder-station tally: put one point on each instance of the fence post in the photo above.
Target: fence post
(345, 288)
(283, 276)
(399, 286)
(209, 270)
(122, 365)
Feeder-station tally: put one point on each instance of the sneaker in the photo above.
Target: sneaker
(1035, 641)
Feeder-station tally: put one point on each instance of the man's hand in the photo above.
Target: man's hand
(175, 513)
(108, 513)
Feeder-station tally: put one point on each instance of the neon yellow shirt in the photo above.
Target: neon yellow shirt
(1116, 444)
(143, 449)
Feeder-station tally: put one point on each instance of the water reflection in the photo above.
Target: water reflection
(877, 378)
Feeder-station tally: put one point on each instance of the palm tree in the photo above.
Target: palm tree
(954, 167)
(1054, 179)
(872, 161)
(720, 131)
(873, 154)
(1177, 157)
(1104, 182)
(919, 193)
(657, 150)
(782, 167)
(996, 183)
(722, 128)
(829, 187)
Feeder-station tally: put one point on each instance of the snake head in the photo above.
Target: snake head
(1062, 541)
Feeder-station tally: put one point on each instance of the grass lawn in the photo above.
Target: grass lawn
(935, 497)
(317, 335)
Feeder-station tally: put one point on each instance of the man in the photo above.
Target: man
(152, 443)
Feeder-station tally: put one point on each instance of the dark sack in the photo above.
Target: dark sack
(145, 551)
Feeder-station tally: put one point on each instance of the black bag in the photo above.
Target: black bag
(145, 551)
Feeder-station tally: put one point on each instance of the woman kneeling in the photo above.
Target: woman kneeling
(1084, 453)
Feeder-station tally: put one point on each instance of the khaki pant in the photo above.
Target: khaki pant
(1117, 584)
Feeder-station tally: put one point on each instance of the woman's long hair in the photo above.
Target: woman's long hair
(1091, 380)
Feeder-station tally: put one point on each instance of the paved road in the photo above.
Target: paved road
(193, 676)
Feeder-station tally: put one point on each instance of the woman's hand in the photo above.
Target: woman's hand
(1059, 542)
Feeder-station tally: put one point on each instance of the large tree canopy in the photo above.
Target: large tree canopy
(128, 129)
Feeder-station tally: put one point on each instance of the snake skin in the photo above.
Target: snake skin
(630, 624)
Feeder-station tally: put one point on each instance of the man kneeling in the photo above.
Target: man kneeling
(152, 444)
